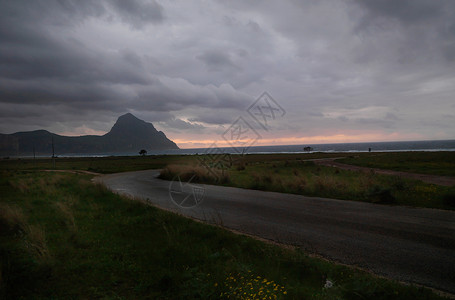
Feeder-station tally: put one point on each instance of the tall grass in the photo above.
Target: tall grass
(24, 253)
(306, 178)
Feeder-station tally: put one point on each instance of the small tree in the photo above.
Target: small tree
(143, 152)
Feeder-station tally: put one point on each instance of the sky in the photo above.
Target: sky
(333, 71)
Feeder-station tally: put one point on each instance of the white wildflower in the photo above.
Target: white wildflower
(328, 284)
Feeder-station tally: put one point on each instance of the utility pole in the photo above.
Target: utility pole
(53, 153)
(34, 157)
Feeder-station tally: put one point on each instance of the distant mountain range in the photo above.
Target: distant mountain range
(129, 134)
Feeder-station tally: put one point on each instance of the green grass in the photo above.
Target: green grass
(435, 163)
(63, 237)
(103, 165)
(114, 164)
(307, 178)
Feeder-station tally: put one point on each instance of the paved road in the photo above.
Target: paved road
(409, 244)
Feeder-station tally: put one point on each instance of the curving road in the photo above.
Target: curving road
(409, 244)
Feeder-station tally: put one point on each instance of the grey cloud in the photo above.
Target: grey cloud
(416, 31)
(217, 60)
(29, 14)
(16, 117)
(138, 13)
(176, 94)
(177, 123)
(343, 118)
(70, 60)
(217, 119)
(391, 116)
(407, 11)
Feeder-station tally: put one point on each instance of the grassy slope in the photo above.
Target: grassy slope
(436, 163)
(63, 237)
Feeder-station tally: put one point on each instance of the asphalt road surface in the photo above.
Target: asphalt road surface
(415, 245)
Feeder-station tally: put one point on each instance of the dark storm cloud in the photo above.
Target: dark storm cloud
(41, 65)
(174, 95)
(189, 66)
(29, 51)
(427, 28)
(136, 13)
(22, 14)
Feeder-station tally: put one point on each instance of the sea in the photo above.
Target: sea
(439, 145)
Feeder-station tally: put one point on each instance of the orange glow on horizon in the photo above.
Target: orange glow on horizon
(320, 139)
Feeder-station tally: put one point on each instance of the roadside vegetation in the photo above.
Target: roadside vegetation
(307, 178)
(61, 236)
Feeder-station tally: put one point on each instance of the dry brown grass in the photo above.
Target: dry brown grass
(71, 200)
(12, 220)
(13, 223)
(41, 185)
(67, 213)
(22, 185)
(36, 241)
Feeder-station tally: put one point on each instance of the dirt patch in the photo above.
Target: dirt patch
(74, 172)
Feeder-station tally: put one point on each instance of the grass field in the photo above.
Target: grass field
(435, 163)
(114, 164)
(94, 164)
(63, 237)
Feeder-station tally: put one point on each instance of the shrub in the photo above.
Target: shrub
(267, 178)
(240, 166)
(399, 184)
(381, 195)
(449, 199)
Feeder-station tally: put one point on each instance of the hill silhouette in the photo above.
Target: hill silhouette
(129, 134)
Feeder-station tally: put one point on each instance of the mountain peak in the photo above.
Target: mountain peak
(129, 116)
(128, 124)
(130, 130)
(129, 134)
